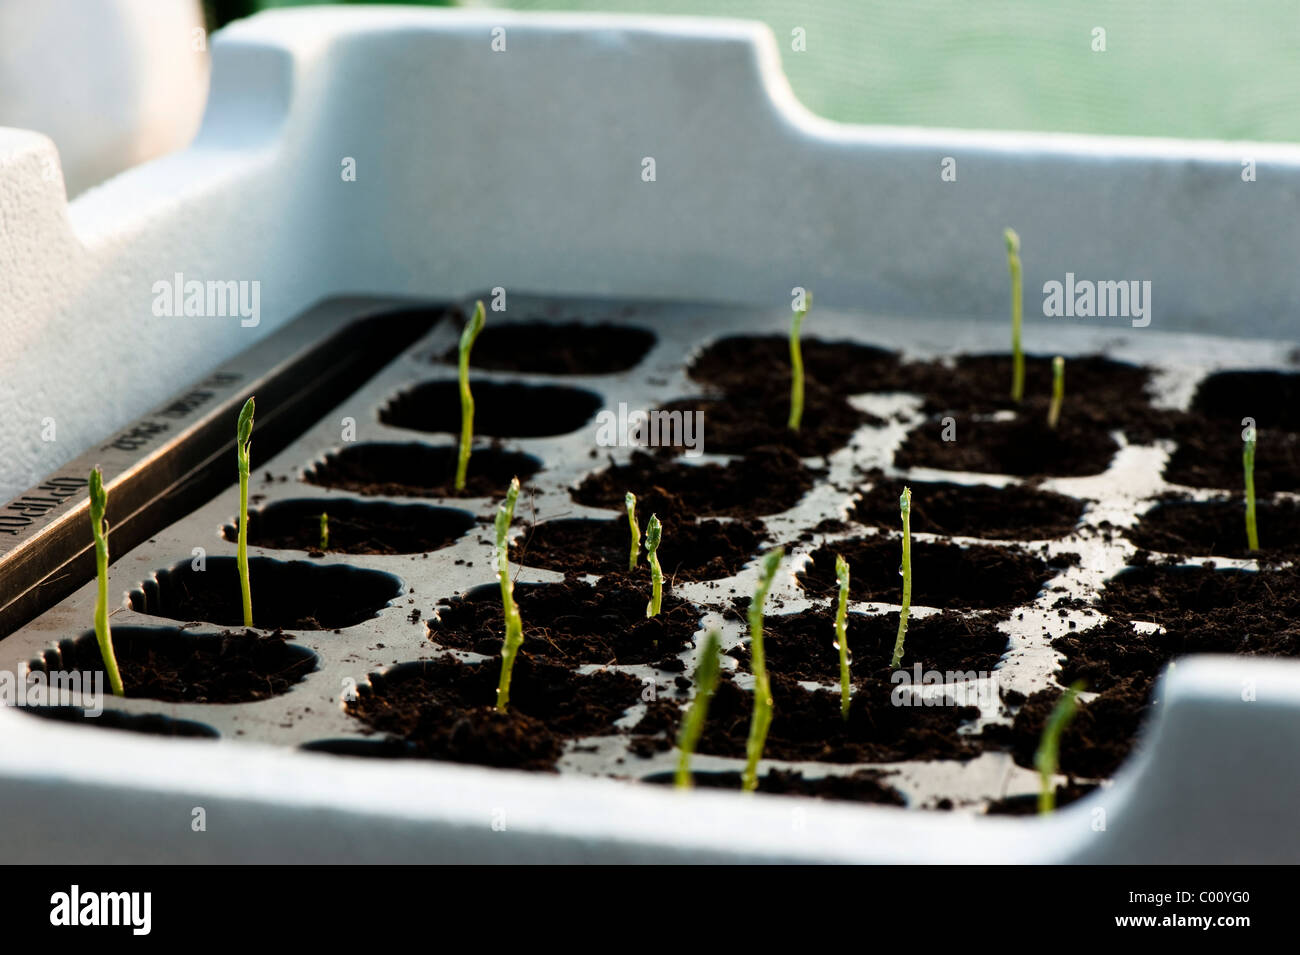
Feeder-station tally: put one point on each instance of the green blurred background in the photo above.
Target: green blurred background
(1203, 69)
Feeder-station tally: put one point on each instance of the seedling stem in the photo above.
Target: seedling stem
(1047, 759)
(244, 442)
(841, 632)
(796, 364)
(905, 508)
(510, 610)
(1248, 465)
(1017, 313)
(762, 714)
(653, 534)
(630, 500)
(1058, 392)
(324, 531)
(99, 530)
(466, 398)
(706, 681)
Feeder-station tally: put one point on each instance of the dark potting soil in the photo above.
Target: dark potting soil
(502, 409)
(446, 709)
(807, 725)
(691, 550)
(864, 785)
(1066, 793)
(802, 645)
(1243, 602)
(180, 667)
(767, 480)
(1272, 398)
(568, 348)
(759, 416)
(1208, 455)
(1095, 742)
(743, 362)
(574, 622)
(420, 470)
(959, 510)
(1023, 446)
(355, 527)
(943, 575)
(1218, 528)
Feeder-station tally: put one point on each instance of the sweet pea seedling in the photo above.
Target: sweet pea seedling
(466, 398)
(653, 534)
(796, 364)
(841, 631)
(99, 530)
(510, 610)
(1047, 758)
(629, 500)
(324, 531)
(1058, 392)
(762, 715)
(1248, 465)
(1017, 314)
(905, 509)
(244, 441)
(706, 681)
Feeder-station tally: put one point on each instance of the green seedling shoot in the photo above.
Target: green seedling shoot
(1017, 315)
(796, 364)
(1047, 758)
(630, 501)
(510, 609)
(905, 509)
(842, 632)
(762, 715)
(99, 530)
(653, 534)
(467, 338)
(244, 443)
(324, 531)
(1058, 392)
(1248, 465)
(706, 681)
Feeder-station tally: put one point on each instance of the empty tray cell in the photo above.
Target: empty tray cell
(1218, 528)
(178, 666)
(446, 708)
(419, 470)
(355, 527)
(574, 622)
(501, 409)
(293, 595)
(972, 510)
(691, 550)
(563, 348)
(151, 724)
(765, 481)
(943, 575)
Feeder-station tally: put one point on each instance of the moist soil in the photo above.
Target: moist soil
(960, 510)
(387, 531)
(691, 550)
(744, 362)
(767, 480)
(420, 470)
(944, 575)
(575, 622)
(502, 409)
(1218, 528)
(446, 709)
(566, 348)
(178, 667)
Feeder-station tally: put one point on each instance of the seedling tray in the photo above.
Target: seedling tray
(356, 632)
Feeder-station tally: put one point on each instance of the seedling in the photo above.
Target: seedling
(762, 714)
(1248, 465)
(1017, 314)
(653, 534)
(99, 530)
(796, 364)
(841, 631)
(244, 442)
(1058, 392)
(510, 609)
(466, 398)
(630, 501)
(706, 681)
(905, 509)
(1047, 759)
(324, 531)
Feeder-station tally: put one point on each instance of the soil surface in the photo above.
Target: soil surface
(943, 575)
(765, 481)
(501, 409)
(178, 667)
(446, 709)
(420, 470)
(743, 362)
(562, 348)
(1010, 513)
(1218, 528)
(1208, 455)
(355, 527)
(574, 622)
(690, 550)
